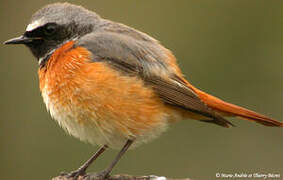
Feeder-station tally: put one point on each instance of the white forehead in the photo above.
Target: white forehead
(35, 24)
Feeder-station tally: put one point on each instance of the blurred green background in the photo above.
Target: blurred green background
(231, 49)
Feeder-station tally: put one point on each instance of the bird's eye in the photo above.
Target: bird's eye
(49, 29)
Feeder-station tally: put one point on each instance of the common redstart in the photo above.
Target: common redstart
(112, 85)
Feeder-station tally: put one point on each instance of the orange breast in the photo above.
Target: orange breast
(97, 104)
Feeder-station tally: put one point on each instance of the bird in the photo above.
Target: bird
(111, 85)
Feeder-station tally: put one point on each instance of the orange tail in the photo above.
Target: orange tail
(233, 110)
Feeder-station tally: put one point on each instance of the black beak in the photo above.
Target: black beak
(20, 40)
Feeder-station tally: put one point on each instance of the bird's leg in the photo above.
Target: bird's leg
(103, 174)
(81, 170)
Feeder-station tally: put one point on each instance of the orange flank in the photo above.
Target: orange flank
(95, 95)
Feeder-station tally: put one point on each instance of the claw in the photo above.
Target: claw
(102, 175)
(75, 174)
(63, 173)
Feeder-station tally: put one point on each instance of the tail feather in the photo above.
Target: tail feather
(234, 110)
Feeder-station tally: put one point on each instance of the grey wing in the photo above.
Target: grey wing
(147, 59)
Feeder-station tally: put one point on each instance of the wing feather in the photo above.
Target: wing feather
(147, 59)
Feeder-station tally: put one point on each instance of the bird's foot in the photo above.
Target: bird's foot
(74, 175)
(80, 174)
(102, 175)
